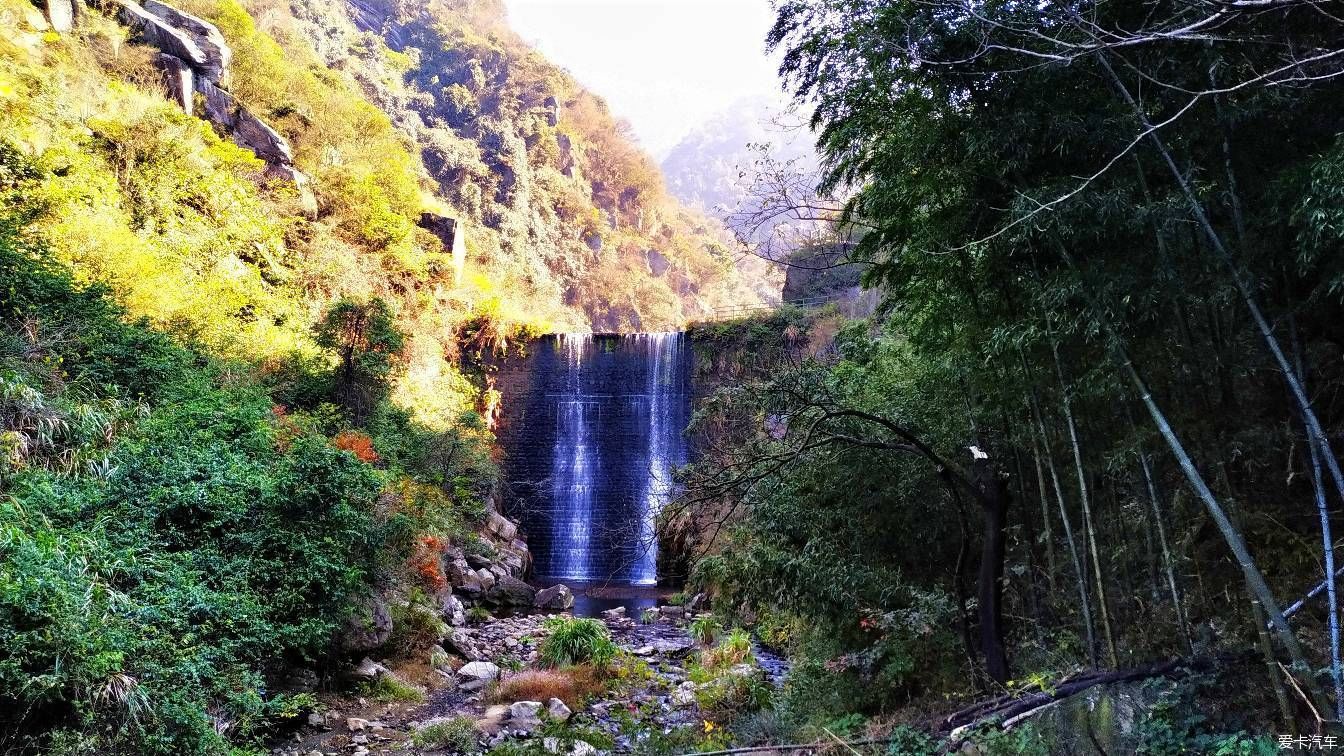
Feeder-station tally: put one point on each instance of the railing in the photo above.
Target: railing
(731, 312)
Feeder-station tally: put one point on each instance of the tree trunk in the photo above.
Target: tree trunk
(1086, 502)
(994, 498)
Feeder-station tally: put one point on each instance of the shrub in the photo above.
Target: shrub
(705, 630)
(576, 641)
(415, 627)
(478, 614)
(729, 696)
(388, 688)
(358, 444)
(457, 735)
(648, 616)
(734, 649)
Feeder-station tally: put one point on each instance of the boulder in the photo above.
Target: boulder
(255, 134)
(368, 627)
(246, 129)
(672, 612)
(524, 709)
(615, 613)
(475, 675)
(177, 80)
(582, 748)
(555, 597)
(450, 234)
(684, 694)
(487, 579)
(204, 34)
(453, 612)
(355, 724)
(368, 669)
(673, 647)
(156, 32)
(60, 14)
(502, 526)
(558, 710)
(510, 591)
(657, 262)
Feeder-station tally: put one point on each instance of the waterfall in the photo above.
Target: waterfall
(592, 436)
(571, 528)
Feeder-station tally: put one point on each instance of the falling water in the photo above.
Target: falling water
(591, 454)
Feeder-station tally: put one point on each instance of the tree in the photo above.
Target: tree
(368, 346)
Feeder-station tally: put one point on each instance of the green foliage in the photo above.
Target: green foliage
(387, 688)
(575, 641)
(478, 614)
(367, 345)
(457, 735)
(908, 741)
(705, 629)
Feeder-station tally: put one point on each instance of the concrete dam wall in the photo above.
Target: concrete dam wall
(592, 428)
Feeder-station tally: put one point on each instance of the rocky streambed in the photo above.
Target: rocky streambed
(484, 683)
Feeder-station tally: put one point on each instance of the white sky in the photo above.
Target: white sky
(666, 65)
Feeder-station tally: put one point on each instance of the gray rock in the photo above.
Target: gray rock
(60, 14)
(487, 579)
(672, 612)
(257, 135)
(159, 33)
(502, 526)
(524, 709)
(246, 129)
(369, 627)
(217, 54)
(453, 612)
(558, 710)
(177, 80)
(582, 748)
(462, 642)
(684, 695)
(615, 613)
(474, 675)
(556, 597)
(510, 591)
(355, 724)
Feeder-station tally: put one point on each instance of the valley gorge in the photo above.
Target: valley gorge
(367, 387)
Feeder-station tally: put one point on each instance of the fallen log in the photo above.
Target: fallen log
(1013, 708)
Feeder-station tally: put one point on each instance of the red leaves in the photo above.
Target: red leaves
(358, 444)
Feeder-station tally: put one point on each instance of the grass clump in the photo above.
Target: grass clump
(537, 685)
(705, 630)
(576, 641)
(388, 688)
(478, 615)
(735, 648)
(458, 735)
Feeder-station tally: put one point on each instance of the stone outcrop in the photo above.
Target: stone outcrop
(510, 591)
(179, 81)
(223, 110)
(555, 597)
(194, 58)
(216, 54)
(368, 627)
(61, 14)
(156, 32)
(449, 232)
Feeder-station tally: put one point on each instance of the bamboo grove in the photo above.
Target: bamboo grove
(1095, 422)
